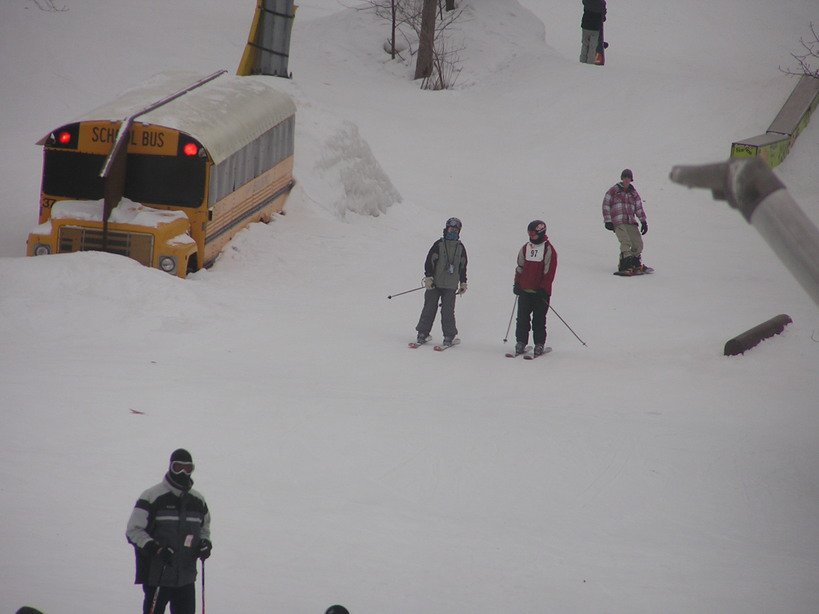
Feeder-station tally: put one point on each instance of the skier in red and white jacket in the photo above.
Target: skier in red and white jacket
(534, 274)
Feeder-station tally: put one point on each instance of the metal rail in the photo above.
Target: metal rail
(751, 187)
(113, 170)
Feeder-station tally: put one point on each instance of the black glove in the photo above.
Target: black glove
(153, 549)
(515, 289)
(643, 227)
(166, 554)
(541, 293)
(609, 226)
(204, 548)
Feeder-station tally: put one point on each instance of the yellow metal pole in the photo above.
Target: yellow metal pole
(249, 56)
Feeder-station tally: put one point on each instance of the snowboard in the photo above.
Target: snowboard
(600, 56)
(646, 271)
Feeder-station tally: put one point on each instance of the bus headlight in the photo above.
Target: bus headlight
(41, 249)
(167, 264)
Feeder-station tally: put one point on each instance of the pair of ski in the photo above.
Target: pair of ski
(528, 353)
(438, 348)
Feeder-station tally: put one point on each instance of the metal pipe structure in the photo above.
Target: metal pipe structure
(750, 186)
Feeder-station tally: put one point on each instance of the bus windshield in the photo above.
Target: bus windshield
(161, 180)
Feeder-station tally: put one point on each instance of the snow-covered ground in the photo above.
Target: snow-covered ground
(643, 472)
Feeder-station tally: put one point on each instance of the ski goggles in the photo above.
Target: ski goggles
(454, 222)
(181, 467)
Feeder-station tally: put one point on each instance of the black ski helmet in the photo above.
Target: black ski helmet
(538, 227)
(455, 223)
(181, 454)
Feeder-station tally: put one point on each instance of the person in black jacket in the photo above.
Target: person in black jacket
(591, 26)
(444, 278)
(169, 529)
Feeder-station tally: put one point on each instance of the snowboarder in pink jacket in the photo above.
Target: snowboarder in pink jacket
(622, 208)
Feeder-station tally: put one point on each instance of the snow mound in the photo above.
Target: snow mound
(362, 185)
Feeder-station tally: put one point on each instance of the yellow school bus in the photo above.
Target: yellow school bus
(168, 172)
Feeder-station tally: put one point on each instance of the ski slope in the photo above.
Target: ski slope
(642, 472)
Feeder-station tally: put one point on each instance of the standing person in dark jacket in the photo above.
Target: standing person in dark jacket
(169, 529)
(622, 207)
(534, 274)
(444, 278)
(591, 26)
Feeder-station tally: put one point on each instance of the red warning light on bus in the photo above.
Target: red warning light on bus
(190, 149)
(64, 137)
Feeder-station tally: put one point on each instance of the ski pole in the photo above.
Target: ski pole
(203, 586)
(406, 291)
(567, 326)
(156, 590)
(508, 328)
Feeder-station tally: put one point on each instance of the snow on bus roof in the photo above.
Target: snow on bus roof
(224, 114)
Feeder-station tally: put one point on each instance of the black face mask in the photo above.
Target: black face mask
(183, 481)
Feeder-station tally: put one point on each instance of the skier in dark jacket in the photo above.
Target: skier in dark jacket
(591, 27)
(444, 278)
(534, 274)
(169, 529)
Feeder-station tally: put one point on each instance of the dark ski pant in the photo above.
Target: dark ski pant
(531, 316)
(446, 296)
(181, 598)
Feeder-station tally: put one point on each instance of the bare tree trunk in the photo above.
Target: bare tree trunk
(426, 42)
(392, 33)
